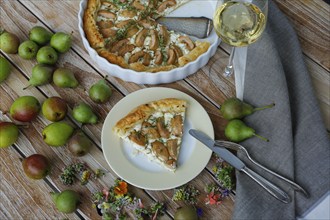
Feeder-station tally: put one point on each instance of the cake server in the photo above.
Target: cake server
(199, 27)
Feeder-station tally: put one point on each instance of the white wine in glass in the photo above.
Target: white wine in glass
(240, 23)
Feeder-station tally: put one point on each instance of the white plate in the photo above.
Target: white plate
(136, 169)
(194, 8)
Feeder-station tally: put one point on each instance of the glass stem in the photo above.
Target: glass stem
(230, 67)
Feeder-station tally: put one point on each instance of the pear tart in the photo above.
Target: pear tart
(126, 33)
(155, 129)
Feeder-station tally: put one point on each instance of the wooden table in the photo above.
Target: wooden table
(23, 198)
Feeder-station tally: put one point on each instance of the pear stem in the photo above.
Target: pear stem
(264, 107)
(23, 125)
(261, 137)
(27, 87)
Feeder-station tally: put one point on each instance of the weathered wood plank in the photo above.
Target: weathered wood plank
(26, 65)
(24, 198)
(311, 21)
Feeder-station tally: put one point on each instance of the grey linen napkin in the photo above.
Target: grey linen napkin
(299, 143)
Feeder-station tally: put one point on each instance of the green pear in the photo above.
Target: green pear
(41, 74)
(40, 35)
(57, 133)
(100, 92)
(5, 69)
(61, 42)
(234, 108)
(186, 213)
(9, 43)
(28, 49)
(25, 109)
(65, 78)
(8, 134)
(237, 131)
(83, 113)
(66, 201)
(47, 55)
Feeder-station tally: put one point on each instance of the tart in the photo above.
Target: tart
(126, 33)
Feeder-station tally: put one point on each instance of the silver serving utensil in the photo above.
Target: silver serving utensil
(239, 165)
(200, 27)
(238, 147)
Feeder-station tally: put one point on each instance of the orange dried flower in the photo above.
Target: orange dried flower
(121, 188)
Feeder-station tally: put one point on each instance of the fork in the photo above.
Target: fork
(237, 147)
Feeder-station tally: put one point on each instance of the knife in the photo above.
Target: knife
(239, 165)
(200, 27)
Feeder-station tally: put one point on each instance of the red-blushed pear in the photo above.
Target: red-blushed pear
(25, 109)
(79, 144)
(54, 108)
(36, 166)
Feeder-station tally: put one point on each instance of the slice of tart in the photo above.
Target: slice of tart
(155, 129)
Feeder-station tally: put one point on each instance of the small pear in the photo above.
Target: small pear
(65, 78)
(5, 69)
(57, 133)
(237, 131)
(9, 42)
(54, 108)
(234, 108)
(40, 35)
(186, 213)
(25, 109)
(79, 144)
(100, 92)
(61, 42)
(8, 134)
(41, 74)
(83, 113)
(36, 166)
(66, 201)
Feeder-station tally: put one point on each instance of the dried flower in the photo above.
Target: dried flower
(121, 188)
(113, 201)
(215, 194)
(224, 173)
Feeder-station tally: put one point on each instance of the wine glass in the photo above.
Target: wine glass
(239, 23)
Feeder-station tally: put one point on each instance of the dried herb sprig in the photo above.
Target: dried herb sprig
(186, 193)
(69, 174)
(224, 173)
